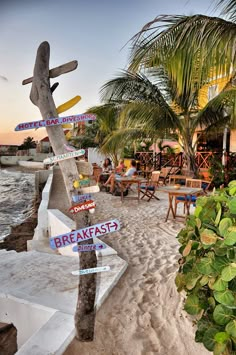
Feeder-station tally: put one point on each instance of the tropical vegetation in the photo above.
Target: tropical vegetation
(172, 58)
(207, 270)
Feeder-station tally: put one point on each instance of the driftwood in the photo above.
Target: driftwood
(53, 73)
(41, 96)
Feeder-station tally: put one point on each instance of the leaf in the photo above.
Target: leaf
(225, 297)
(220, 285)
(204, 280)
(209, 338)
(205, 266)
(208, 237)
(222, 315)
(219, 349)
(197, 211)
(232, 206)
(180, 281)
(229, 272)
(225, 223)
(187, 249)
(232, 183)
(192, 305)
(191, 280)
(232, 190)
(220, 262)
(230, 238)
(221, 337)
(231, 328)
(217, 220)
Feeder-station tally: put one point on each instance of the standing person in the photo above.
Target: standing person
(115, 177)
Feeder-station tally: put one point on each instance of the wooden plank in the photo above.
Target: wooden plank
(65, 156)
(89, 247)
(53, 73)
(91, 271)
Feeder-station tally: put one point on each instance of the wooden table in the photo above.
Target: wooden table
(186, 192)
(124, 181)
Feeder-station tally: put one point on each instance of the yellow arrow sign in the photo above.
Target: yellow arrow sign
(66, 106)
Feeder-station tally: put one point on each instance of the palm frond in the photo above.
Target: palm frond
(175, 41)
(228, 9)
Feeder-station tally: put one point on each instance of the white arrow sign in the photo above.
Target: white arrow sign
(55, 121)
(80, 235)
(91, 271)
(90, 189)
(89, 247)
(64, 156)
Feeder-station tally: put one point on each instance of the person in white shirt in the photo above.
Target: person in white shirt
(115, 177)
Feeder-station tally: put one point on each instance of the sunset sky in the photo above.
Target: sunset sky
(93, 32)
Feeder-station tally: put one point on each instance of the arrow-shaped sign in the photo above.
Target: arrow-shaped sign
(90, 189)
(80, 235)
(91, 271)
(89, 247)
(55, 121)
(87, 205)
(64, 156)
(81, 198)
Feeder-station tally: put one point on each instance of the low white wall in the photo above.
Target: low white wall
(28, 318)
(95, 157)
(13, 160)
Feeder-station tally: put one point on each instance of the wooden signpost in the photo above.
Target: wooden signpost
(87, 205)
(41, 96)
(55, 121)
(89, 247)
(91, 271)
(57, 158)
(83, 234)
(90, 189)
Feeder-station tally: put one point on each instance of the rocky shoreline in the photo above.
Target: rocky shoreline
(20, 233)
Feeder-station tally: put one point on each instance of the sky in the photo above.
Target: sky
(93, 32)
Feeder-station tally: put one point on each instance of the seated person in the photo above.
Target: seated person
(120, 167)
(114, 177)
(106, 170)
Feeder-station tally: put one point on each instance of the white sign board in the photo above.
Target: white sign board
(91, 271)
(56, 158)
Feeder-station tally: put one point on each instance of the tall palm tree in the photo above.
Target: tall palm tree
(154, 107)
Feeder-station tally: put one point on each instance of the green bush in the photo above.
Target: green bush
(207, 270)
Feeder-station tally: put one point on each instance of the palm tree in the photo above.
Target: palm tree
(154, 107)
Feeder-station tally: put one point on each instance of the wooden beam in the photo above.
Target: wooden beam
(53, 73)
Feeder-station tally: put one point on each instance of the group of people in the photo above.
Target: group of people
(110, 176)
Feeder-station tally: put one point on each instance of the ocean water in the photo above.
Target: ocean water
(16, 195)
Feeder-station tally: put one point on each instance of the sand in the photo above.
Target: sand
(144, 313)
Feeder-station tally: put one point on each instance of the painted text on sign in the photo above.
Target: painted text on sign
(80, 235)
(64, 156)
(89, 247)
(91, 271)
(83, 206)
(55, 121)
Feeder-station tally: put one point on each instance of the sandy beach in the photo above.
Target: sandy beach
(144, 313)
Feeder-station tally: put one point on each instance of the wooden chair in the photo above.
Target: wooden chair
(178, 179)
(149, 188)
(194, 183)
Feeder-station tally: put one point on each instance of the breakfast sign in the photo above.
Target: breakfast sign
(55, 121)
(83, 234)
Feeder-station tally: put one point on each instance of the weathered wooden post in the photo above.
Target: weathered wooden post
(41, 96)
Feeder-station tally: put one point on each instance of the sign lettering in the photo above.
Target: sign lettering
(55, 121)
(64, 156)
(83, 206)
(89, 247)
(81, 198)
(91, 271)
(80, 235)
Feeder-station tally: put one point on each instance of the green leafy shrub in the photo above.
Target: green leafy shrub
(207, 270)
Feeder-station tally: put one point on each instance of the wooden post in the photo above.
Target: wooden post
(41, 96)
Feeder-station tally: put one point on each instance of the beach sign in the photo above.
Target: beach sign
(80, 235)
(81, 198)
(55, 121)
(68, 104)
(90, 189)
(56, 158)
(87, 205)
(89, 247)
(91, 271)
